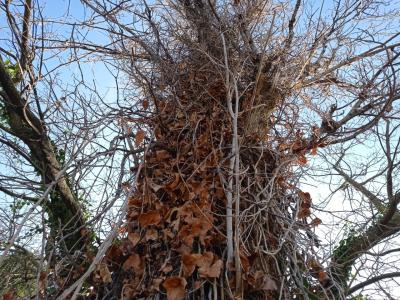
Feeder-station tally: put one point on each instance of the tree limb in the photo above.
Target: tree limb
(371, 281)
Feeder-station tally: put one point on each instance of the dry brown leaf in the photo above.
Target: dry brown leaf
(200, 227)
(175, 287)
(155, 187)
(128, 291)
(104, 273)
(304, 213)
(149, 218)
(297, 145)
(244, 262)
(281, 181)
(212, 271)
(162, 155)
(151, 235)
(302, 160)
(205, 260)
(134, 262)
(134, 202)
(269, 284)
(134, 238)
(207, 267)
(183, 249)
(189, 263)
(283, 147)
(155, 285)
(145, 104)
(139, 137)
(312, 263)
(167, 268)
(114, 254)
(314, 151)
(305, 199)
(322, 276)
(186, 235)
(42, 282)
(197, 284)
(173, 183)
(8, 295)
(316, 222)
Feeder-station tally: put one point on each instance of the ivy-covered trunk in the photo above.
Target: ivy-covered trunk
(65, 213)
(215, 214)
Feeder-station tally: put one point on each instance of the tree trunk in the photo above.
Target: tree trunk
(67, 223)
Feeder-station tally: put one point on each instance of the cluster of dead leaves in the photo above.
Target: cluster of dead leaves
(175, 232)
(300, 146)
(209, 265)
(8, 295)
(176, 212)
(318, 272)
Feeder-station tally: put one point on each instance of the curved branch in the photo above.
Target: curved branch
(371, 281)
(379, 205)
(25, 34)
(20, 196)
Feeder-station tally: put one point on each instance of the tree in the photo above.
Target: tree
(232, 105)
(54, 143)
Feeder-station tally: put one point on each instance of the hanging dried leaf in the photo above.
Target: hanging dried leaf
(134, 202)
(149, 218)
(186, 235)
(175, 287)
(304, 213)
(189, 262)
(173, 184)
(200, 227)
(269, 284)
(134, 238)
(42, 282)
(139, 137)
(283, 147)
(114, 254)
(151, 235)
(128, 291)
(302, 160)
(306, 200)
(156, 284)
(8, 295)
(134, 262)
(314, 151)
(313, 264)
(212, 271)
(297, 145)
(244, 262)
(145, 104)
(104, 273)
(207, 267)
(162, 155)
(322, 276)
(316, 222)
(155, 187)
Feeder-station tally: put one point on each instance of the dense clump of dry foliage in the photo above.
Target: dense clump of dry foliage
(190, 206)
(214, 212)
